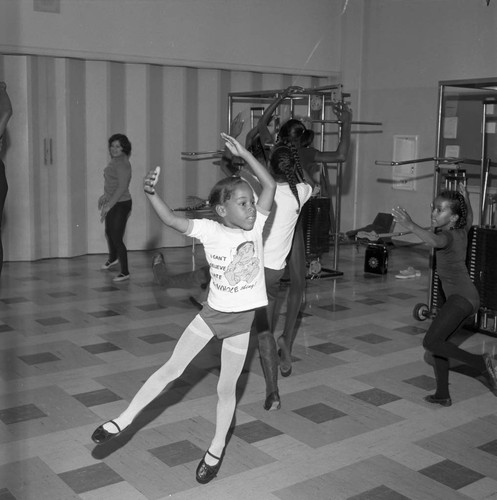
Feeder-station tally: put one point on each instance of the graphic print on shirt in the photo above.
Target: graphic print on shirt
(244, 266)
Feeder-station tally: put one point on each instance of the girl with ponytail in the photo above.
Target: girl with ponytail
(295, 134)
(292, 192)
(284, 234)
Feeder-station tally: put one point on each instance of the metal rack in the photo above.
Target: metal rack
(315, 104)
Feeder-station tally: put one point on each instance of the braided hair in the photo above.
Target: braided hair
(292, 131)
(295, 135)
(457, 204)
(285, 166)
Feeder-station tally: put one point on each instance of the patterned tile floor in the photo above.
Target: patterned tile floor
(353, 425)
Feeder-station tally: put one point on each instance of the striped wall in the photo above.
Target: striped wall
(64, 112)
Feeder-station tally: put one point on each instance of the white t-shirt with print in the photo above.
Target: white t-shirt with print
(236, 262)
(280, 226)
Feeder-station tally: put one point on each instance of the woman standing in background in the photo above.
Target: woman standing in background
(5, 114)
(115, 203)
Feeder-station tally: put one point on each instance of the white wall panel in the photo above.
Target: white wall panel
(172, 183)
(60, 207)
(97, 155)
(17, 226)
(210, 123)
(136, 88)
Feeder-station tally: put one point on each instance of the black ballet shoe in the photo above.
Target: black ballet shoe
(273, 402)
(284, 373)
(439, 401)
(206, 472)
(490, 370)
(100, 435)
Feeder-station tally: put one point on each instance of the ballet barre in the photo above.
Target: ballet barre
(202, 153)
(446, 160)
(339, 122)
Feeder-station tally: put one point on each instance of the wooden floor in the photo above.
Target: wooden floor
(75, 347)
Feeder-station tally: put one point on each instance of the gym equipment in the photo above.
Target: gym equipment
(466, 124)
(314, 107)
(376, 259)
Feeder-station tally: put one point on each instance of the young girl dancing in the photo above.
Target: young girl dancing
(451, 219)
(230, 308)
(293, 132)
(292, 192)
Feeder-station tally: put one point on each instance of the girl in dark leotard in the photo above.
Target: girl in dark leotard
(451, 220)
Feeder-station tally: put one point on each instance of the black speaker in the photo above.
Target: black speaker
(316, 226)
(482, 248)
(376, 259)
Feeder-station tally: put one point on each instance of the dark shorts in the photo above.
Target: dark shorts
(227, 324)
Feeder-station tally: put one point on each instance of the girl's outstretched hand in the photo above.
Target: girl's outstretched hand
(150, 180)
(234, 146)
(341, 110)
(401, 216)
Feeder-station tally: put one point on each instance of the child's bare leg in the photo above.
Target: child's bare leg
(265, 322)
(297, 271)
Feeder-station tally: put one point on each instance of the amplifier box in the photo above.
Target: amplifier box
(376, 259)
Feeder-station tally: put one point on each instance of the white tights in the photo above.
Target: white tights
(196, 335)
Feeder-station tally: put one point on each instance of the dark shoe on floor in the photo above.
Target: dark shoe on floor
(109, 264)
(159, 269)
(490, 370)
(158, 258)
(100, 435)
(206, 472)
(273, 402)
(439, 401)
(121, 277)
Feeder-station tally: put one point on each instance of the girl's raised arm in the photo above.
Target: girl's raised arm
(344, 114)
(166, 215)
(268, 184)
(261, 129)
